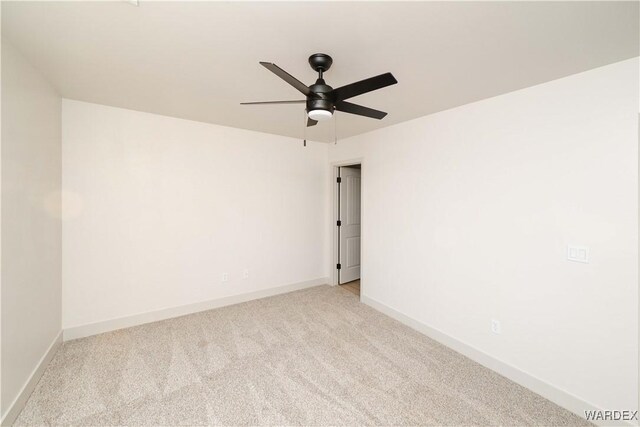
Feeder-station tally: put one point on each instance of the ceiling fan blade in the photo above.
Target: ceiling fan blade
(364, 86)
(286, 77)
(311, 122)
(273, 102)
(348, 107)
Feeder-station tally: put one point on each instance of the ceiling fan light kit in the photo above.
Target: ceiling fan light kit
(319, 115)
(321, 99)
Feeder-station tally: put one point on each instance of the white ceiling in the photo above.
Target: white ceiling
(199, 60)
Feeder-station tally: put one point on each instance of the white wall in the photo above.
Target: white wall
(31, 232)
(157, 208)
(467, 215)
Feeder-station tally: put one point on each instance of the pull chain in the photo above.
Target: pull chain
(335, 128)
(304, 132)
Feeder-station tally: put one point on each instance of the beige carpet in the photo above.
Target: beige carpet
(312, 357)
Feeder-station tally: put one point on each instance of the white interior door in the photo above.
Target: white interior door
(350, 224)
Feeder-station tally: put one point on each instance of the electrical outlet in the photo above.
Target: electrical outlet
(245, 273)
(225, 277)
(496, 327)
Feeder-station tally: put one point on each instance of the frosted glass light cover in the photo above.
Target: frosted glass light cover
(319, 115)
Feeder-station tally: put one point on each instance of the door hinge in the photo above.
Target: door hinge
(339, 223)
(339, 180)
(339, 266)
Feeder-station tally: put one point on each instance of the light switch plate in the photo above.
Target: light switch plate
(578, 253)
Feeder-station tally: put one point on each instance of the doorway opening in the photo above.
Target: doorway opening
(348, 227)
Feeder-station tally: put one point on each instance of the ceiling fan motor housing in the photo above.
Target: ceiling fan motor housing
(320, 98)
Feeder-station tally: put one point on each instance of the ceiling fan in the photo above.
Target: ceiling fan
(322, 100)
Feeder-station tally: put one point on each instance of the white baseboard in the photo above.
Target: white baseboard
(558, 396)
(168, 313)
(18, 403)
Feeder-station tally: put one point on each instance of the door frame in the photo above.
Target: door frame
(335, 243)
